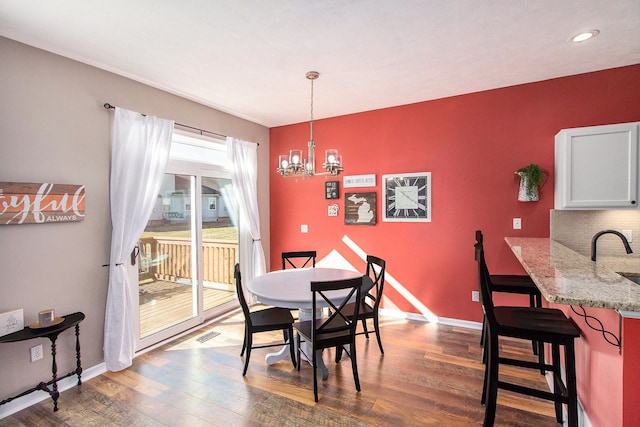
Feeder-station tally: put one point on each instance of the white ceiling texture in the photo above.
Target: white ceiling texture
(249, 57)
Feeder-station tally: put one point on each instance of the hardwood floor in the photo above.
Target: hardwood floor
(430, 375)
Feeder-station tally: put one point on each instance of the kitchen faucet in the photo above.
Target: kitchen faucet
(600, 233)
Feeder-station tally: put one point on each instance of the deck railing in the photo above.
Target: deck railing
(169, 258)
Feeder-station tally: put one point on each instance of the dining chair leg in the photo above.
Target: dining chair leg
(292, 346)
(364, 326)
(354, 364)
(376, 324)
(246, 360)
(244, 342)
(338, 353)
(298, 350)
(315, 376)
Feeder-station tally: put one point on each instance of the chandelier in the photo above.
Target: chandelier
(296, 164)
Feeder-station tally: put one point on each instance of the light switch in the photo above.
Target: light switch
(517, 223)
(304, 228)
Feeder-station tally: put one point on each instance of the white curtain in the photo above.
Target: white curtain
(139, 153)
(243, 156)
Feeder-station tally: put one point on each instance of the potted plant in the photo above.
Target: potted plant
(531, 178)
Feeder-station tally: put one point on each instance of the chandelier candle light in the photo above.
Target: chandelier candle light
(295, 164)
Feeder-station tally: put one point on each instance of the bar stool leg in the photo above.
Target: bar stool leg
(491, 379)
(557, 380)
(572, 404)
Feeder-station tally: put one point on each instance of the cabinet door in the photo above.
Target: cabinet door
(597, 167)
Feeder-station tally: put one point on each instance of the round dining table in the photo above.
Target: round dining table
(292, 289)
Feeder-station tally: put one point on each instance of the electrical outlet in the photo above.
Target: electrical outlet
(517, 223)
(475, 296)
(304, 228)
(36, 353)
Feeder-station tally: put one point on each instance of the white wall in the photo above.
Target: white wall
(53, 128)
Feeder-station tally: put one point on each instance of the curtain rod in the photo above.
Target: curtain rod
(109, 107)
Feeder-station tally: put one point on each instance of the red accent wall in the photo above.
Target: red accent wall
(472, 144)
(631, 372)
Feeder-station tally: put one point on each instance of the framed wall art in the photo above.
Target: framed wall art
(331, 190)
(360, 208)
(407, 197)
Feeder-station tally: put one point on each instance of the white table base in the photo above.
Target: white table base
(271, 358)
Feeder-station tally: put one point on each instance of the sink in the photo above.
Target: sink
(634, 277)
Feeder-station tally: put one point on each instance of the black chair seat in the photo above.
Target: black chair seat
(327, 338)
(535, 323)
(271, 318)
(365, 310)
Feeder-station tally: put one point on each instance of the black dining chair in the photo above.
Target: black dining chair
(370, 303)
(512, 284)
(334, 330)
(298, 259)
(264, 320)
(543, 325)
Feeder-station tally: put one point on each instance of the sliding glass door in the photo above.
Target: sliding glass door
(189, 247)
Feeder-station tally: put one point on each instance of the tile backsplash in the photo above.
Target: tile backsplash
(575, 229)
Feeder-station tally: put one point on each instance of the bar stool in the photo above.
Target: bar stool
(542, 325)
(513, 284)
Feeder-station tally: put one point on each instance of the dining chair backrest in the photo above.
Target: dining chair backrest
(298, 259)
(479, 242)
(376, 268)
(243, 302)
(342, 326)
(485, 287)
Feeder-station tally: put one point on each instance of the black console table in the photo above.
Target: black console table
(52, 333)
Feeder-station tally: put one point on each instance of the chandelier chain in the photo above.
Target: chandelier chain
(295, 163)
(311, 122)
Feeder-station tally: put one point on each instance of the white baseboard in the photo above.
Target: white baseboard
(38, 396)
(421, 318)
(583, 418)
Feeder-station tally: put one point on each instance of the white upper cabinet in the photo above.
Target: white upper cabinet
(597, 167)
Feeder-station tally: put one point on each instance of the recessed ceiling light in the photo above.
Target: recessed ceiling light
(586, 35)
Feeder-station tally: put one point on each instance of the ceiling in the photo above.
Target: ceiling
(249, 58)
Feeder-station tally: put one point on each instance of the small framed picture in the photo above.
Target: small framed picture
(360, 208)
(331, 190)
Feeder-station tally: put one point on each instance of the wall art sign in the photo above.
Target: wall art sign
(407, 197)
(333, 210)
(360, 208)
(40, 203)
(350, 181)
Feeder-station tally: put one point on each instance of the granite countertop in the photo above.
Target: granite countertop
(566, 277)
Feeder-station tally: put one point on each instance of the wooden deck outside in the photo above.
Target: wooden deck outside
(164, 304)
